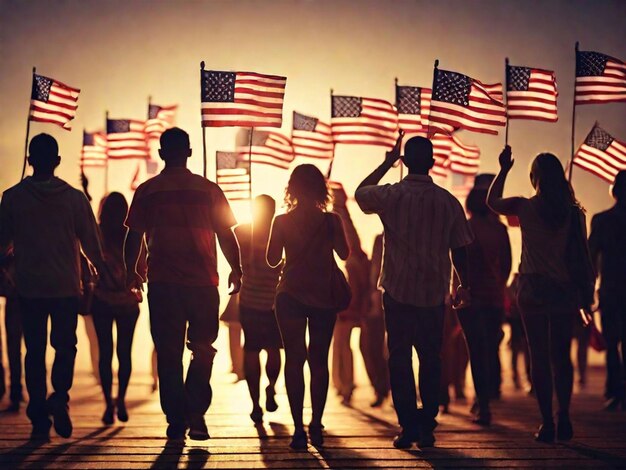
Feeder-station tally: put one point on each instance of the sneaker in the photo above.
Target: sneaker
(176, 431)
(257, 415)
(378, 402)
(41, 431)
(405, 440)
(198, 430)
(545, 433)
(316, 435)
(564, 429)
(61, 419)
(108, 417)
(122, 413)
(299, 440)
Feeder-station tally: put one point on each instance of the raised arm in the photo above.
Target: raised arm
(132, 247)
(230, 248)
(88, 235)
(500, 205)
(390, 158)
(275, 244)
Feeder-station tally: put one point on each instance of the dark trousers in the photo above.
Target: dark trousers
(177, 313)
(13, 326)
(63, 313)
(125, 319)
(421, 328)
(614, 332)
(482, 328)
(372, 346)
(549, 342)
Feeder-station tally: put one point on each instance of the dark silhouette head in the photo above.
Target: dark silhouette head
(476, 202)
(619, 187)
(175, 148)
(307, 186)
(112, 214)
(418, 155)
(263, 209)
(43, 154)
(554, 193)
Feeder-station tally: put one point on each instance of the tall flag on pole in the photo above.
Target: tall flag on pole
(367, 121)
(52, 101)
(599, 78)
(413, 104)
(531, 94)
(126, 138)
(459, 101)
(601, 154)
(271, 148)
(311, 137)
(243, 99)
(94, 151)
(160, 118)
(233, 175)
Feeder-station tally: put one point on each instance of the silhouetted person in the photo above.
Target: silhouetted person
(546, 296)
(372, 339)
(308, 235)
(48, 222)
(489, 266)
(180, 214)
(607, 242)
(256, 306)
(114, 303)
(14, 333)
(422, 222)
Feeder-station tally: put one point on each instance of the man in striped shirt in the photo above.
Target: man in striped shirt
(423, 223)
(180, 214)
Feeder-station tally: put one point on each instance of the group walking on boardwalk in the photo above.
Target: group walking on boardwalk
(59, 261)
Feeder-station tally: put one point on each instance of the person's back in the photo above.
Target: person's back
(608, 241)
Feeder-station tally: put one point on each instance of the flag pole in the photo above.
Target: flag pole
(204, 158)
(27, 129)
(332, 160)
(433, 95)
(573, 149)
(250, 162)
(505, 99)
(106, 166)
(400, 165)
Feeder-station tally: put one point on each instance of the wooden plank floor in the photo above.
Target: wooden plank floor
(358, 436)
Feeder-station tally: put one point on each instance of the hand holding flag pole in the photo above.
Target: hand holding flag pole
(332, 160)
(27, 130)
(204, 158)
(399, 130)
(505, 99)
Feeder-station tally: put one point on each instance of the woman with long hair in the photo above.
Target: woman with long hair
(308, 235)
(114, 303)
(547, 296)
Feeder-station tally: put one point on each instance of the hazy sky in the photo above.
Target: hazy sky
(119, 52)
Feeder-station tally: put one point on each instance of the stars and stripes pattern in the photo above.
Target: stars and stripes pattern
(459, 101)
(52, 101)
(94, 150)
(495, 90)
(599, 78)
(126, 138)
(531, 94)
(601, 154)
(271, 148)
(311, 137)
(367, 121)
(243, 99)
(160, 118)
(464, 158)
(442, 147)
(413, 105)
(233, 175)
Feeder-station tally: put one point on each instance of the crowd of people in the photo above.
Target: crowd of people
(444, 290)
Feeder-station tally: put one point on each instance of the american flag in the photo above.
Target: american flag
(601, 154)
(311, 137)
(495, 90)
(160, 118)
(94, 151)
(126, 138)
(462, 102)
(233, 175)
(413, 104)
(599, 78)
(53, 101)
(442, 148)
(531, 94)
(366, 121)
(243, 99)
(270, 148)
(464, 158)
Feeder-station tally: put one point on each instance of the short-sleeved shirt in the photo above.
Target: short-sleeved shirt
(422, 223)
(180, 212)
